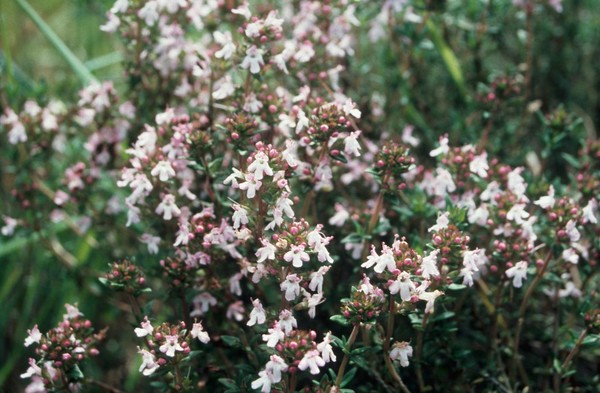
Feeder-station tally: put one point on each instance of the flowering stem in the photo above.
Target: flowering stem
(292, 386)
(575, 349)
(135, 307)
(104, 386)
(418, 354)
(375, 216)
(349, 344)
(394, 373)
(522, 310)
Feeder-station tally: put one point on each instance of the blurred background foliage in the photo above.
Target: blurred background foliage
(429, 74)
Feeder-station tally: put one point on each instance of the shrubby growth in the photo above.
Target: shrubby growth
(270, 230)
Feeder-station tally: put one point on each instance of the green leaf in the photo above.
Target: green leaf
(340, 319)
(456, 287)
(340, 157)
(348, 377)
(75, 373)
(76, 65)
(230, 385)
(232, 341)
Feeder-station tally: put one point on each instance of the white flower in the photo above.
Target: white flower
(224, 88)
(479, 165)
(274, 335)
(267, 251)
(326, 350)
(313, 360)
(253, 60)
(316, 279)
(351, 145)
(572, 231)
(570, 255)
(407, 136)
(33, 369)
(233, 178)
(443, 148)
(257, 315)
(429, 265)
(251, 185)
(199, 333)
(202, 303)
(516, 183)
(240, 216)
(149, 363)
(287, 322)
(271, 374)
(401, 351)
(296, 255)
(340, 217)
(385, 261)
(170, 346)
(404, 285)
(34, 336)
(441, 223)
(429, 297)
(112, 24)
(72, 312)
(163, 170)
(168, 208)
(145, 330)
(291, 286)
(349, 108)
(518, 273)
(589, 212)
(517, 213)
(547, 201)
(10, 224)
(260, 166)
(151, 241)
(149, 12)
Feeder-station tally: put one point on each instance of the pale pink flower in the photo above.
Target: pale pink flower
(167, 208)
(340, 217)
(33, 369)
(202, 303)
(287, 322)
(312, 360)
(72, 312)
(441, 223)
(240, 216)
(257, 315)
(146, 328)
(547, 201)
(267, 251)
(443, 148)
(351, 145)
(401, 351)
(518, 273)
(199, 333)
(297, 256)
(589, 212)
(316, 279)
(407, 136)
(385, 261)
(33, 336)
(171, 345)
(274, 335)
(479, 165)
(163, 170)
(572, 232)
(429, 265)
(260, 166)
(570, 255)
(251, 185)
(149, 364)
(326, 349)
(253, 60)
(404, 285)
(291, 286)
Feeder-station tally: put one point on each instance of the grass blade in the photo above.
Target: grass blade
(450, 59)
(78, 67)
